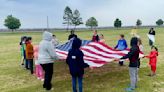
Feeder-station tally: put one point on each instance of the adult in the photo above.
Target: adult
(121, 45)
(46, 57)
(72, 35)
(95, 37)
(151, 36)
(133, 56)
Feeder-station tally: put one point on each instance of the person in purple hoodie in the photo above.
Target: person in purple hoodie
(76, 64)
(121, 45)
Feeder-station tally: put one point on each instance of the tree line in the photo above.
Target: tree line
(72, 18)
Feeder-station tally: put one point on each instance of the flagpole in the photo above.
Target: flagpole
(47, 23)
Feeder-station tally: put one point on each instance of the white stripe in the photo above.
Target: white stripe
(102, 53)
(108, 50)
(90, 63)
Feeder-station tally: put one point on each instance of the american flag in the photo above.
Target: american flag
(96, 54)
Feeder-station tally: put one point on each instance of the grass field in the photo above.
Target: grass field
(109, 78)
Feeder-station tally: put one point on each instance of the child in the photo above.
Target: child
(38, 68)
(46, 57)
(95, 37)
(133, 56)
(121, 45)
(141, 49)
(153, 60)
(55, 41)
(102, 38)
(76, 64)
(29, 53)
(22, 49)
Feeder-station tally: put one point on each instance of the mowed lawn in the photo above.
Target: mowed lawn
(109, 78)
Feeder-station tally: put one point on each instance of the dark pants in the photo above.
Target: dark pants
(48, 68)
(80, 84)
(30, 63)
(26, 64)
(150, 42)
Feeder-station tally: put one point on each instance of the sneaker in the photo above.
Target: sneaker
(42, 79)
(129, 89)
(130, 86)
(50, 90)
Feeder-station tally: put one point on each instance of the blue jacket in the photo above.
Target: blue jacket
(121, 45)
(75, 59)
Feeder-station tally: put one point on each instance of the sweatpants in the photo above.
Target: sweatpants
(133, 72)
(48, 68)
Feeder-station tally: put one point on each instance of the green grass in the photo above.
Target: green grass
(109, 78)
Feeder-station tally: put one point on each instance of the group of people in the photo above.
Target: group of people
(45, 55)
(133, 55)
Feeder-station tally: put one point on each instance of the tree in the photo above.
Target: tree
(159, 22)
(138, 23)
(117, 23)
(67, 17)
(91, 22)
(76, 20)
(12, 23)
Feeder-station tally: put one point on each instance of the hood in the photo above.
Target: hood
(47, 36)
(76, 43)
(134, 41)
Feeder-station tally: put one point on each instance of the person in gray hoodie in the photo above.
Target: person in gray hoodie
(46, 57)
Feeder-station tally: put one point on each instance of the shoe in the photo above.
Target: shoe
(130, 86)
(50, 90)
(129, 89)
(42, 79)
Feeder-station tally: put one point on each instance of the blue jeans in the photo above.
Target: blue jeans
(80, 83)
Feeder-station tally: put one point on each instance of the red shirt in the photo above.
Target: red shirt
(153, 58)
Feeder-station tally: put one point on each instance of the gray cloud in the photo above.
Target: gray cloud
(33, 12)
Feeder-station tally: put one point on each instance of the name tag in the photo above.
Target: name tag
(73, 57)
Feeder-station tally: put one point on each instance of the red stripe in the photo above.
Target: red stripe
(89, 51)
(99, 49)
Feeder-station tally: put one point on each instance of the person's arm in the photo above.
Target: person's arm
(151, 55)
(130, 54)
(52, 51)
(154, 32)
(116, 45)
(82, 61)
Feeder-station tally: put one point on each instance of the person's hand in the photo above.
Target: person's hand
(91, 67)
(116, 59)
(143, 56)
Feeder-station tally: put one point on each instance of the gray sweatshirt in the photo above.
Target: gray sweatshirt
(46, 53)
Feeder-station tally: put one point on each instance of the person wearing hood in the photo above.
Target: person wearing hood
(76, 64)
(46, 57)
(133, 56)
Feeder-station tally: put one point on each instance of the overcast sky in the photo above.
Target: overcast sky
(32, 13)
